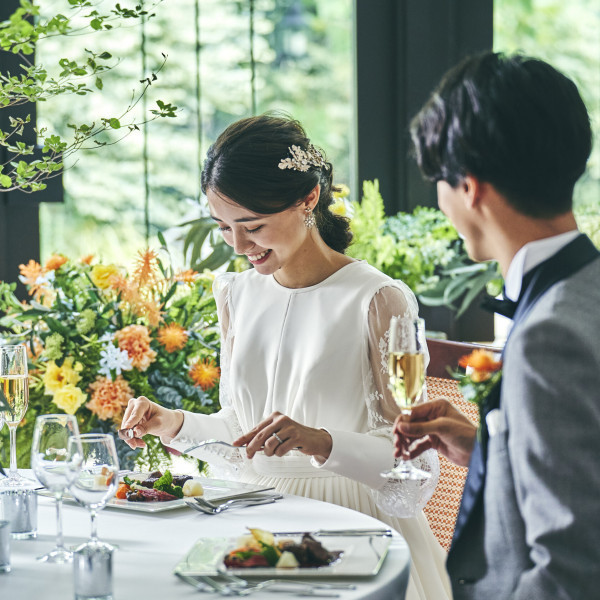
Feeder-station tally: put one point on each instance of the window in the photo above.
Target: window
(303, 65)
(566, 35)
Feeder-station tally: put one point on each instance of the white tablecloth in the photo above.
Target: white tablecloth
(150, 545)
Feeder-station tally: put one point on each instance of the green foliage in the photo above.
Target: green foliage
(422, 249)
(20, 34)
(203, 235)
(566, 35)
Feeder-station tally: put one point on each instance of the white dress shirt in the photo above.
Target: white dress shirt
(530, 256)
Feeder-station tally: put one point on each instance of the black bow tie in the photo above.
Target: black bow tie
(504, 306)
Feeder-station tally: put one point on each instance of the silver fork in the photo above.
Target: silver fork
(234, 587)
(234, 580)
(213, 443)
(209, 509)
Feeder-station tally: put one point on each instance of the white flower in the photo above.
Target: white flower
(114, 359)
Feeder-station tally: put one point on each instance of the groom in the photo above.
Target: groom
(505, 138)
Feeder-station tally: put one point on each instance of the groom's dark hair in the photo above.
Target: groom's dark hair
(512, 121)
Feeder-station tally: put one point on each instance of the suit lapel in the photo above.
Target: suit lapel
(536, 282)
(475, 481)
(566, 262)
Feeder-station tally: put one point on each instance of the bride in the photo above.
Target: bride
(304, 341)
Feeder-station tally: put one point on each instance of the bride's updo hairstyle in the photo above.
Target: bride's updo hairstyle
(244, 164)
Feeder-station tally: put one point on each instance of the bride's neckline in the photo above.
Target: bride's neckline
(327, 279)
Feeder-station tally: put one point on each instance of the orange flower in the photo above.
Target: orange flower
(482, 363)
(87, 259)
(56, 261)
(172, 336)
(31, 275)
(135, 340)
(109, 398)
(205, 373)
(146, 269)
(188, 276)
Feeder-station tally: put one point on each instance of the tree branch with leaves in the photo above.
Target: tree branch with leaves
(28, 170)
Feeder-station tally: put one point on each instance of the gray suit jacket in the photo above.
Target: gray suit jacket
(536, 531)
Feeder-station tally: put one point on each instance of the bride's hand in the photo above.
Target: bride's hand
(278, 434)
(144, 416)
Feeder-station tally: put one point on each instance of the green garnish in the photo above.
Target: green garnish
(270, 553)
(165, 484)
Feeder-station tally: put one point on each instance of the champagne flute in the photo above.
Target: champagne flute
(15, 388)
(406, 367)
(96, 483)
(56, 468)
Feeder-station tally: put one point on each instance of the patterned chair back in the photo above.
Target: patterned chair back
(441, 511)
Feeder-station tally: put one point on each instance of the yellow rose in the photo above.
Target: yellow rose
(343, 191)
(339, 208)
(56, 377)
(101, 275)
(69, 398)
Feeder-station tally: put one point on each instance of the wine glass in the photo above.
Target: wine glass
(96, 483)
(406, 368)
(56, 468)
(15, 388)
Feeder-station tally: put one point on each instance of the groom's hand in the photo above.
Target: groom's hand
(436, 425)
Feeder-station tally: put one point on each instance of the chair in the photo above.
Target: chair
(441, 511)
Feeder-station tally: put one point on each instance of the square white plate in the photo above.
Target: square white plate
(214, 490)
(362, 556)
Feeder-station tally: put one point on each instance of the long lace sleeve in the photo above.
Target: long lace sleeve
(223, 425)
(401, 498)
(364, 455)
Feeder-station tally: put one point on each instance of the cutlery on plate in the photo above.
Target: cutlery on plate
(234, 580)
(257, 495)
(201, 587)
(212, 445)
(239, 503)
(340, 532)
(220, 499)
(204, 583)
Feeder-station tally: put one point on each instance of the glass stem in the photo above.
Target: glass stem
(404, 459)
(59, 530)
(93, 515)
(13, 474)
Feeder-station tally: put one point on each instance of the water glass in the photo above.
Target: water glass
(55, 469)
(4, 547)
(97, 480)
(19, 508)
(92, 573)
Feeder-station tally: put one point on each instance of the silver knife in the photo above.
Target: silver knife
(221, 499)
(340, 532)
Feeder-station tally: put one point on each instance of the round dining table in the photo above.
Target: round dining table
(150, 545)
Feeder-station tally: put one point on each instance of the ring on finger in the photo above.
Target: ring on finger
(277, 437)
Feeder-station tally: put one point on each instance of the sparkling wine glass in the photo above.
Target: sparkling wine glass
(15, 389)
(406, 368)
(56, 468)
(96, 483)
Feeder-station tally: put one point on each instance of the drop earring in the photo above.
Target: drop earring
(309, 219)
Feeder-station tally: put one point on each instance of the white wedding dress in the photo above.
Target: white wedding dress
(319, 356)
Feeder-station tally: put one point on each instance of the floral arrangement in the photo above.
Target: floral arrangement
(482, 372)
(98, 336)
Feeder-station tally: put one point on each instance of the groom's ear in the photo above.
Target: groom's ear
(473, 191)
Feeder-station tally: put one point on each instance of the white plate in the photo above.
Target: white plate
(362, 556)
(214, 490)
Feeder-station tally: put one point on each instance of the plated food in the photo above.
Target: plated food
(260, 549)
(158, 487)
